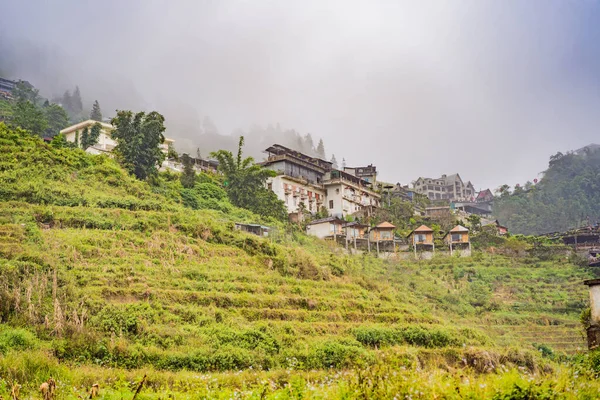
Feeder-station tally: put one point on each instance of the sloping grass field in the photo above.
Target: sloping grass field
(104, 279)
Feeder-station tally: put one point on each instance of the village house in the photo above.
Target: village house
(255, 229)
(106, 143)
(326, 228)
(421, 239)
(447, 187)
(498, 229)
(356, 230)
(458, 239)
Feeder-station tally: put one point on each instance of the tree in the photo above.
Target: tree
(60, 141)
(188, 177)
(172, 153)
(57, 119)
(29, 117)
(334, 161)
(309, 145)
(138, 137)
(89, 137)
(24, 91)
(245, 183)
(96, 113)
(321, 150)
(66, 102)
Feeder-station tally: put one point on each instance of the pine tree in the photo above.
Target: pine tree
(66, 101)
(309, 145)
(334, 161)
(96, 113)
(321, 150)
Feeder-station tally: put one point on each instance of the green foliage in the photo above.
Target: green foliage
(57, 119)
(244, 182)
(89, 137)
(188, 177)
(16, 339)
(567, 195)
(138, 138)
(28, 116)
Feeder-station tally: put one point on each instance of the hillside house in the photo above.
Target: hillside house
(255, 229)
(447, 187)
(309, 183)
(457, 238)
(347, 194)
(326, 228)
(382, 236)
(368, 173)
(499, 229)
(421, 239)
(299, 178)
(105, 144)
(357, 235)
(485, 196)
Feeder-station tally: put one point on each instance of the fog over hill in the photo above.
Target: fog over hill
(487, 89)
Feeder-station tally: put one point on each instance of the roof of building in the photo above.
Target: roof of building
(459, 228)
(422, 228)
(356, 224)
(484, 193)
(324, 220)
(384, 225)
(84, 124)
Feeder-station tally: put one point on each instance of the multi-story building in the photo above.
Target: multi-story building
(309, 183)
(447, 187)
(6, 85)
(348, 194)
(105, 142)
(299, 180)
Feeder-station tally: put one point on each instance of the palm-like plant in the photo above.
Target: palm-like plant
(245, 183)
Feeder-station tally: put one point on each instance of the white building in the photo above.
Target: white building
(330, 227)
(348, 194)
(105, 144)
(447, 187)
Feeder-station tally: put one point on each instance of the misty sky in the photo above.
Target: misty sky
(488, 89)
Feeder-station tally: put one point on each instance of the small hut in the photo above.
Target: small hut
(326, 228)
(422, 239)
(457, 238)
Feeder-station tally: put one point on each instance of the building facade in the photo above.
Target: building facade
(447, 187)
(307, 183)
(106, 143)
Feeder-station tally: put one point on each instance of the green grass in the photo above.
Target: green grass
(105, 278)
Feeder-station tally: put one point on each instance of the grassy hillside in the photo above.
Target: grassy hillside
(104, 279)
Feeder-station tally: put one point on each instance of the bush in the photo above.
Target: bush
(16, 339)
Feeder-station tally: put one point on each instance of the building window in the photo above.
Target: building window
(420, 238)
(456, 237)
(270, 185)
(337, 191)
(330, 204)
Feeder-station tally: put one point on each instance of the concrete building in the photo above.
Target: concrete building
(447, 187)
(347, 194)
(368, 173)
(7, 86)
(106, 143)
(308, 183)
(326, 228)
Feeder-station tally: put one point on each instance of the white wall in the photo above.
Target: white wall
(320, 230)
(292, 203)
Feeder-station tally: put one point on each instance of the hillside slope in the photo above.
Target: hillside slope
(107, 272)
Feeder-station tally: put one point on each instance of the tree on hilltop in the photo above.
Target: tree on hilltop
(138, 137)
(245, 183)
(321, 150)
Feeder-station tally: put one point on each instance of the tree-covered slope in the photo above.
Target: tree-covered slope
(567, 196)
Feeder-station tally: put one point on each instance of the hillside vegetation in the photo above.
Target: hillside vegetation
(566, 197)
(104, 278)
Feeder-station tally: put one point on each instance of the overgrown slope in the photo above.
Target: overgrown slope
(98, 270)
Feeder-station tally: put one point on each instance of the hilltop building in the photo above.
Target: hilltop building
(447, 187)
(7, 86)
(306, 183)
(106, 143)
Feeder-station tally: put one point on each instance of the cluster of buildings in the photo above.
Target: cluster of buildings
(309, 185)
